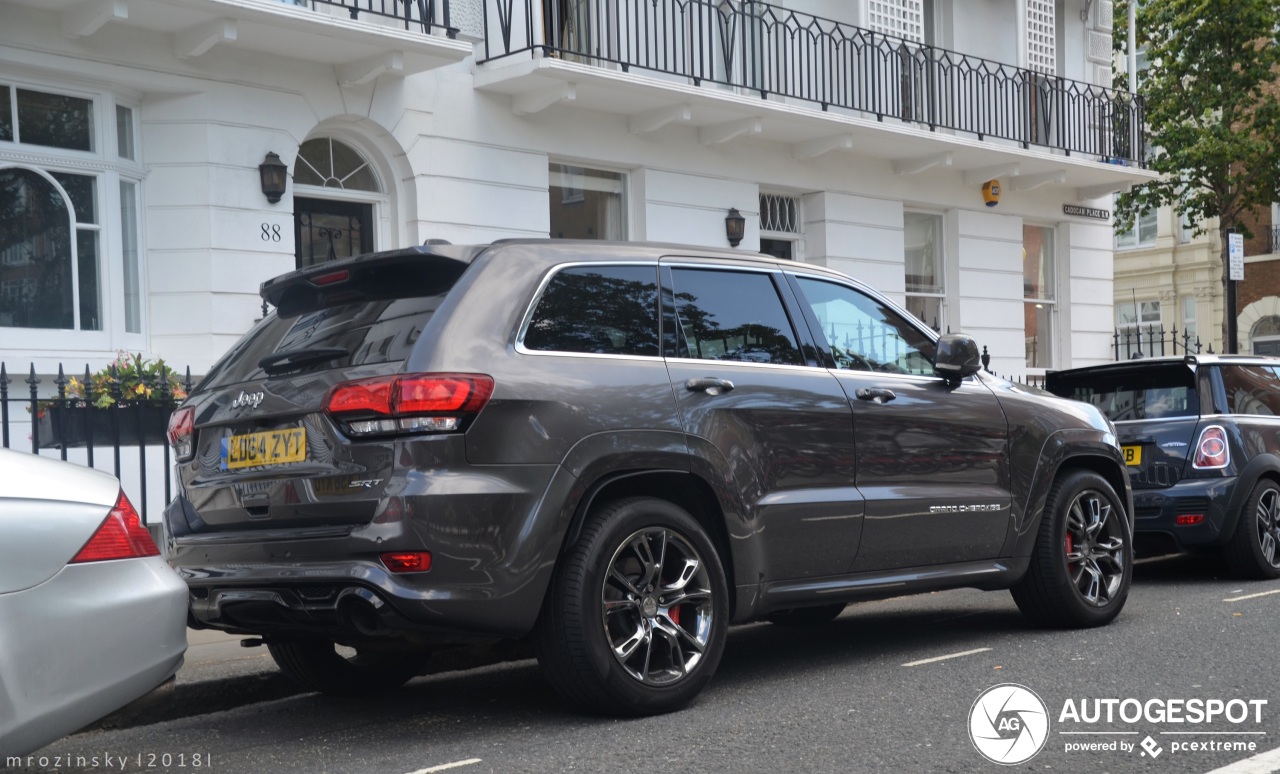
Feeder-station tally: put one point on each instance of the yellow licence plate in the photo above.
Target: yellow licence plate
(271, 447)
(1132, 455)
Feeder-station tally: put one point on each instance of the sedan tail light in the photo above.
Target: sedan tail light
(409, 403)
(182, 433)
(1212, 451)
(120, 536)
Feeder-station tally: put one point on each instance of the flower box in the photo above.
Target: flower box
(76, 426)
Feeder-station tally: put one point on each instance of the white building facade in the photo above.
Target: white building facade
(856, 134)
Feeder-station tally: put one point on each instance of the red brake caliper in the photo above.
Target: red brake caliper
(1071, 543)
(674, 614)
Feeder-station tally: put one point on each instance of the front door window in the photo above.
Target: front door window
(327, 230)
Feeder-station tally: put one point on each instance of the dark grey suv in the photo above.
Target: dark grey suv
(616, 450)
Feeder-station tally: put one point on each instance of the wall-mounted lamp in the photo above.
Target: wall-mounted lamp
(735, 226)
(273, 172)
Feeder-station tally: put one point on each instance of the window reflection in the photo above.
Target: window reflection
(726, 315)
(35, 253)
(610, 310)
(865, 335)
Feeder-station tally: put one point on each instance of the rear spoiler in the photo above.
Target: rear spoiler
(414, 271)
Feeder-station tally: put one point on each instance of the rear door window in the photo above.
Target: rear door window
(1143, 393)
(1252, 389)
(723, 314)
(602, 310)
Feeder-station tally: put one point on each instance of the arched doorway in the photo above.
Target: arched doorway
(336, 199)
(1264, 337)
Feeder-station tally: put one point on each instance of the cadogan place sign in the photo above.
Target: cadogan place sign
(1086, 212)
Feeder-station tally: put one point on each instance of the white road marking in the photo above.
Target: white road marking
(1262, 763)
(447, 766)
(944, 658)
(1253, 596)
(1098, 733)
(1199, 733)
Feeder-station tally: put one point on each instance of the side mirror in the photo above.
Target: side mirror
(957, 357)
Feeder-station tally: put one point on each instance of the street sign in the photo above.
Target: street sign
(1235, 253)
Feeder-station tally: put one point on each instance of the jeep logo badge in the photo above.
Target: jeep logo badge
(251, 399)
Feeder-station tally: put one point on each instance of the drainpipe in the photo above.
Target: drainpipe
(1133, 46)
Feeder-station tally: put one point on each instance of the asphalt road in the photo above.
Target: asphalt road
(845, 697)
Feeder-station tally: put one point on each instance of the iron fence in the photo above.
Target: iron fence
(426, 16)
(1137, 342)
(79, 424)
(768, 50)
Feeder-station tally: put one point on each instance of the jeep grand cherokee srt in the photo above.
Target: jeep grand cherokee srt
(616, 450)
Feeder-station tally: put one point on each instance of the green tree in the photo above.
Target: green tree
(1213, 115)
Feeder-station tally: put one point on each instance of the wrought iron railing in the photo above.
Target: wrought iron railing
(1273, 244)
(771, 51)
(426, 16)
(1138, 342)
(81, 429)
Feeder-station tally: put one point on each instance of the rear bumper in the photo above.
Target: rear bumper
(1156, 512)
(86, 642)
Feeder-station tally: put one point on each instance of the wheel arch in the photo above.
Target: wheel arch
(1263, 466)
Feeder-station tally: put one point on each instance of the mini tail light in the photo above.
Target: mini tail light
(120, 536)
(1212, 451)
(407, 561)
(1189, 519)
(409, 403)
(182, 433)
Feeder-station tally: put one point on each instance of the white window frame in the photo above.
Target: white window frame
(1142, 234)
(796, 233)
(943, 269)
(110, 170)
(1134, 318)
(624, 185)
(1051, 300)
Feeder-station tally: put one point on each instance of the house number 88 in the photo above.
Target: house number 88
(270, 232)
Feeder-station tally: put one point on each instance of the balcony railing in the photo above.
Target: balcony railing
(426, 16)
(771, 51)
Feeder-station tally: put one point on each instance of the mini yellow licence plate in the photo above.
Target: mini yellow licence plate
(1132, 455)
(270, 447)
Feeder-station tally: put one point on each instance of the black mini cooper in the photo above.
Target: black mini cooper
(1201, 439)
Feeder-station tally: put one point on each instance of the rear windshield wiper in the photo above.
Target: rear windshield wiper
(281, 362)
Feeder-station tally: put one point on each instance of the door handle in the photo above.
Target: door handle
(709, 384)
(876, 395)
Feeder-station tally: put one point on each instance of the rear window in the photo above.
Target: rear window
(603, 310)
(368, 323)
(1148, 393)
(1252, 389)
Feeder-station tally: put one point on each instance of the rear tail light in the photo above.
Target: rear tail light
(409, 403)
(182, 433)
(120, 536)
(407, 561)
(1211, 450)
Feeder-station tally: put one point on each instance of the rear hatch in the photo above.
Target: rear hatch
(1155, 408)
(266, 453)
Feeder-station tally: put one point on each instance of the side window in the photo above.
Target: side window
(864, 334)
(606, 310)
(732, 315)
(1252, 389)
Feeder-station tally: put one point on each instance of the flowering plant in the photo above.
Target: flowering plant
(138, 379)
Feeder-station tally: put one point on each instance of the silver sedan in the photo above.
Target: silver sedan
(91, 617)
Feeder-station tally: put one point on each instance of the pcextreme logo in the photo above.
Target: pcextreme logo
(1009, 724)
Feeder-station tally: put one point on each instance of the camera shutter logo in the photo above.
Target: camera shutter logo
(1008, 724)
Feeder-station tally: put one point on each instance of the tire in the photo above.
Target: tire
(806, 616)
(316, 665)
(1082, 562)
(1254, 550)
(609, 637)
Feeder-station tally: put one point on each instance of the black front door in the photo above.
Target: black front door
(326, 230)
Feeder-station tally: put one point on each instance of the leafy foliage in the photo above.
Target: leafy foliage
(1213, 115)
(137, 378)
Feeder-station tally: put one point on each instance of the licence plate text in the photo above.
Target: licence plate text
(270, 447)
(1132, 455)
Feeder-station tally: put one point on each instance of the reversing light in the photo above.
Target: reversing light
(120, 536)
(182, 433)
(1212, 451)
(409, 403)
(1188, 519)
(407, 561)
